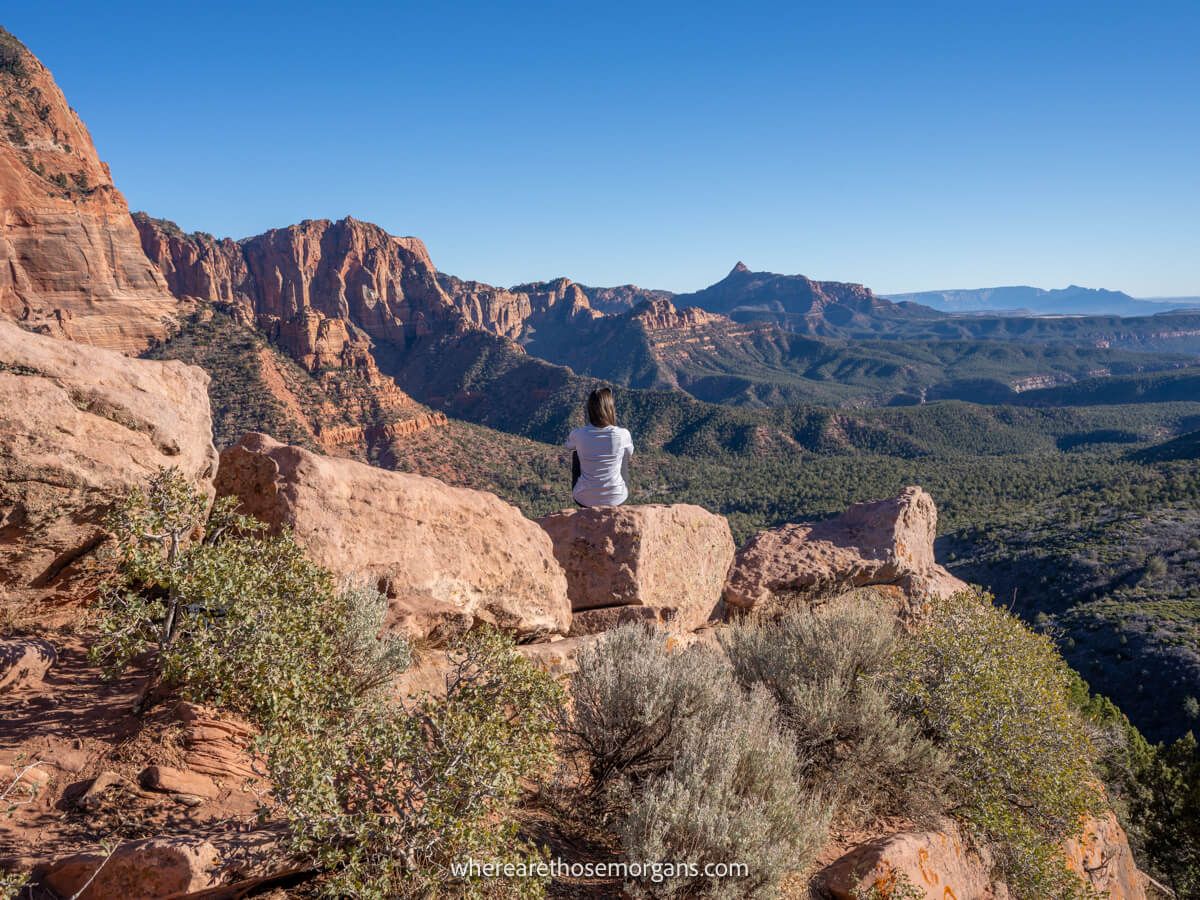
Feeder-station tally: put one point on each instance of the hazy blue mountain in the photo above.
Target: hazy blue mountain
(1022, 299)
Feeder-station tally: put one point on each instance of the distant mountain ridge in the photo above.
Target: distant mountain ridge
(1026, 300)
(802, 305)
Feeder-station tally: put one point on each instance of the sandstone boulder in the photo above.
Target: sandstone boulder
(26, 776)
(672, 559)
(23, 662)
(445, 556)
(80, 426)
(941, 863)
(885, 542)
(168, 780)
(936, 864)
(159, 867)
(172, 866)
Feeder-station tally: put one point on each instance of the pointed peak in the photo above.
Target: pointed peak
(739, 268)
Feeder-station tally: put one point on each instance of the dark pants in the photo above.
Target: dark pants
(576, 471)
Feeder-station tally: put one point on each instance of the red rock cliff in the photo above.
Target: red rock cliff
(70, 260)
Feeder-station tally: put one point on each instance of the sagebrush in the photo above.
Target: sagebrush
(828, 670)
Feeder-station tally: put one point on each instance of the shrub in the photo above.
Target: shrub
(237, 617)
(828, 669)
(895, 886)
(1169, 811)
(385, 800)
(730, 796)
(632, 702)
(12, 56)
(997, 696)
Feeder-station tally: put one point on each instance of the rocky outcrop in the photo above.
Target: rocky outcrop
(325, 290)
(935, 864)
(663, 315)
(218, 745)
(1103, 857)
(519, 311)
(195, 265)
(622, 298)
(446, 557)
(885, 542)
(71, 263)
(558, 657)
(79, 427)
(672, 559)
(941, 863)
(320, 289)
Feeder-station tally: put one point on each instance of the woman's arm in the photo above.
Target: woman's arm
(576, 470)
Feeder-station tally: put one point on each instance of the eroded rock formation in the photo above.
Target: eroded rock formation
(671, 559)
(941, 863)
(447, 557)
(885, 542)
(79, 427)
(71, 263)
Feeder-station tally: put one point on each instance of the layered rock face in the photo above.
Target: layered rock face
(669, 559)
(885, 542)
(195, 265)
(518, 312)
(71, 263)
(316, 288)
(323, 290)
(622, 298)
(658, 315)
(446, 557)
(79, 427)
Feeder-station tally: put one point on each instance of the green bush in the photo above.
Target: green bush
(236, 617)
(828, 671)
(385, 800)
(633, 702)
(730, 796)
(997, 696)
(1169, 814)
(381, 798)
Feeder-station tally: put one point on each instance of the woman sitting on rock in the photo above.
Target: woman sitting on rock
(601, 449)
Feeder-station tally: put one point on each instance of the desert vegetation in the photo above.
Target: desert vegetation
(846, 719)
(379, 795)
(750, 749)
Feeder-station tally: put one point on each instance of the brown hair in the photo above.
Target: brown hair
(601, 411)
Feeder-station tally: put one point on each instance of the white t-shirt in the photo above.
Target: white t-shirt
(601, 453)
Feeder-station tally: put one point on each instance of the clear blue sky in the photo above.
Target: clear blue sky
(906, 147)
